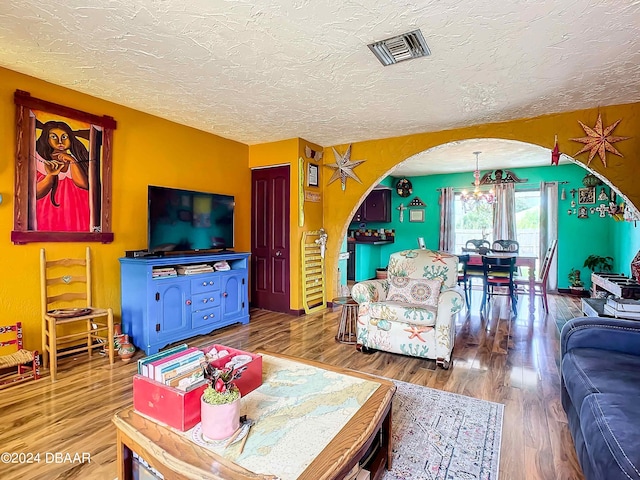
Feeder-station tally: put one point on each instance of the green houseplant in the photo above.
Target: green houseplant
(596, 263)
(575, 283)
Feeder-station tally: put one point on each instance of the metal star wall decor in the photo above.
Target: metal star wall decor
(599, 140)
(343, 168)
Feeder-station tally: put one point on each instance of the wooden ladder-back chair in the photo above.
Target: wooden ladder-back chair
(66, 303)
(11, 339)
(477, 246)
(463, 277)
(499, 272)
(506, 246)
(540, 285)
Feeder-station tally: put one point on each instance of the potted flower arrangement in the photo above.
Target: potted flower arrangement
(220, 402)
(575, 283)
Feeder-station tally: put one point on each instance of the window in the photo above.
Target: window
(528, 221)
(474, 224)
(478, 223)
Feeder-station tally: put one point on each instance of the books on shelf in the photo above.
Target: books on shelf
(170, 366)
(143, 363)
(179, 367)
(188, 363)
(222, 266)
(193, 269)
(163, 272)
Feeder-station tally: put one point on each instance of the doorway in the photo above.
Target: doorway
(270, 246)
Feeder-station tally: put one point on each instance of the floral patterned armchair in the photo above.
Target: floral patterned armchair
(413, 311)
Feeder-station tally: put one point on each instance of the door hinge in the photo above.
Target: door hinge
(242, 304)
(243, 279)
(157, 296)
(157, 327)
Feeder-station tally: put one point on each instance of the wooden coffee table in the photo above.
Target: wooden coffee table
(175, 456)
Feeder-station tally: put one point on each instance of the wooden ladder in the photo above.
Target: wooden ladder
(314, 293)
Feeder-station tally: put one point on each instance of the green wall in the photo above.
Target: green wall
(577, 238)
(626, 243)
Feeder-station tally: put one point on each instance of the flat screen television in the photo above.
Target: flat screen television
(187, 221)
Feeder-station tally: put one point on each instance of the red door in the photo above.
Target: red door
(270, 238)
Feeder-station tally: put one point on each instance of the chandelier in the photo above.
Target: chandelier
(477, 197)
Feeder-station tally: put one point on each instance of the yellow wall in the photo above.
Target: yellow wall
(383, 155)
(147, 150)
(289, 152)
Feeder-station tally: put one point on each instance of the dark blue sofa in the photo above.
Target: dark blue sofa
(601, 395)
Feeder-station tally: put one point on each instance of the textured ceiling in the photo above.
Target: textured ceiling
(301, 68)
(458, 157)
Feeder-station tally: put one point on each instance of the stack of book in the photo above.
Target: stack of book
(622, 308)
(158, 272)
(179, 367)
(193, 269)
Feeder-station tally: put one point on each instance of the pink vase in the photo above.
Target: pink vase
(219, 421)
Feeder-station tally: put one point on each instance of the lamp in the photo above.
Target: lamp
(477, 197)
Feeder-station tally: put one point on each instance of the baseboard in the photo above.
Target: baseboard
(580, 293)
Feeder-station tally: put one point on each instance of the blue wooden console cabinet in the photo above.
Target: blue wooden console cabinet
(158, 311)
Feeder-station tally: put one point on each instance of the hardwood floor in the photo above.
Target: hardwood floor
(73, 416)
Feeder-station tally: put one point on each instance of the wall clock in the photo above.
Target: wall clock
(404, 187)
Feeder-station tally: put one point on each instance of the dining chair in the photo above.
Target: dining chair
(505, 246)
(540, 284)
(474, 270)
(463, 278)
(16, 363)
(499, 272)
(70, 323)
(476, 245)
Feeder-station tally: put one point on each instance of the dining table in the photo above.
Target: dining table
(522, 260)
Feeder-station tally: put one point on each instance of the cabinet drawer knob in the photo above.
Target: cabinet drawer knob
(204, 284)
(211, 299)
(225, 294)
(188, 302)
(205, 317)
(204, 300)
(211, 282)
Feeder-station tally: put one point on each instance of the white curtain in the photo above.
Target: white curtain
(504, 212)
(549, 228)
(447, 220)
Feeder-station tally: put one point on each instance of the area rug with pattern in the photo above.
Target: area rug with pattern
(443, 436)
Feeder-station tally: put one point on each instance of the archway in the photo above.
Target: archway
(457, 157)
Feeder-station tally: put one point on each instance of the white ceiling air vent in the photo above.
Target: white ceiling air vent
(403, 47)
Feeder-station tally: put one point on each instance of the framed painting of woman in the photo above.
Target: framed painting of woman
(63, 173)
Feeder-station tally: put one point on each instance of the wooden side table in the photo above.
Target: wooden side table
(347, 327)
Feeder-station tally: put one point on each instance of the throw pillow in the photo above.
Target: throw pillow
(419, 291)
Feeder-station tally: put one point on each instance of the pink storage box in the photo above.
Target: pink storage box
(179, 409)
(251, 378)
(176, 408)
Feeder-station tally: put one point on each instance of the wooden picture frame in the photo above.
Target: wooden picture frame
(312, 175)
(61, 150)
(587, 195)
(416, 215)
